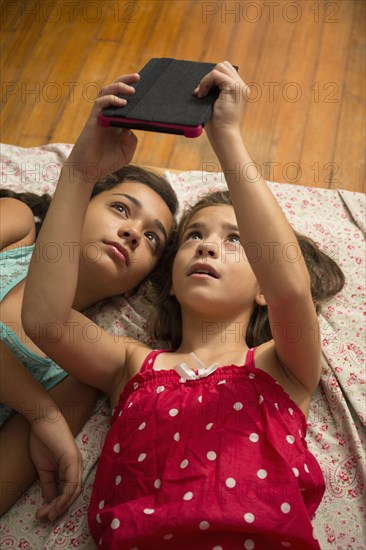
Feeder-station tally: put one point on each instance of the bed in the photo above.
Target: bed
(335, 219)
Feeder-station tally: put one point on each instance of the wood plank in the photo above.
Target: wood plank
(222, 42)
(36, 80)
(56, 93)
(106, 61)
(23, 32)
(350, 144)
(92, 76)
(267, 83)
(310, 43)
(292, 96)
(13, 14)
(158, 149)
(317, 157)
(120, 16)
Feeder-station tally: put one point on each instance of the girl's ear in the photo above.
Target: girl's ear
(259, 298)
(171, 291)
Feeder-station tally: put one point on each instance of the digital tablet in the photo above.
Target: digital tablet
(164, 100)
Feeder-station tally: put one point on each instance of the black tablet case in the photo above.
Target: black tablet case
(164, 94)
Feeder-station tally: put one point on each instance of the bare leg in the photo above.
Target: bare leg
(17, 473)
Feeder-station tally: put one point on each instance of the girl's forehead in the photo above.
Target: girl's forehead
(135, 189)
(141, 195)
(214, 213)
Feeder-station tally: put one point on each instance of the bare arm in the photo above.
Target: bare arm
(48, 316)
(52, 445)
(277, 263)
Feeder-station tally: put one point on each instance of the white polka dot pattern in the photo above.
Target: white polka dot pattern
(249, 517)
(115, 523)
(197, 445)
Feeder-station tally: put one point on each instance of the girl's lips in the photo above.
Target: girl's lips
(202, 276)
(203, 270)
(119, 252)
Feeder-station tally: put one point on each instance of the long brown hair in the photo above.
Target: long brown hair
(326, 280)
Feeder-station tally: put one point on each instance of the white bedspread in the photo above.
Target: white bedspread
(336, 220)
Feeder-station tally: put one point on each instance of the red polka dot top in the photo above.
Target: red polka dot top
(208, 460)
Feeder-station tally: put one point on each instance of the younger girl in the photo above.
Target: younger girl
(26, 375)
(207, 441)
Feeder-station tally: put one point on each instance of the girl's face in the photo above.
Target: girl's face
(211, 273)
(125, 231)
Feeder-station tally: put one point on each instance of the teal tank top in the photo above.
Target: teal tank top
(14, 266)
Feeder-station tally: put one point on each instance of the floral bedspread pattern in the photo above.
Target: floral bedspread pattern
(335, 219)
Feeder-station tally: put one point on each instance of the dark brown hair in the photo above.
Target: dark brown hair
(326, 279)
(39, 203)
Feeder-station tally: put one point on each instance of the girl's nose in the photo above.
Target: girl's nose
(207, 249)
(131, 236)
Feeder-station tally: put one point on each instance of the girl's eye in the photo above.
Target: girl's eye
(234, 238)
(120, 207)
(154, 239)
(193, 235)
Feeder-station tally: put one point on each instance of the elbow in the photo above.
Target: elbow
(292, 290)
(298, 288)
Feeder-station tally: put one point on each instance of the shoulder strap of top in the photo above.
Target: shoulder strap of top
(249, 360)
(149, 361)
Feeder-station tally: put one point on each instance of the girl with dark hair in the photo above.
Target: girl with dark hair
(207, 442)
(326, 280)
(39, 204)
(129, 218)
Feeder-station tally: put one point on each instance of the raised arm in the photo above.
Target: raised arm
(267, 237)
(48, 315)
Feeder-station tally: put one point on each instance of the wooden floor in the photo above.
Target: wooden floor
(305, 60)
